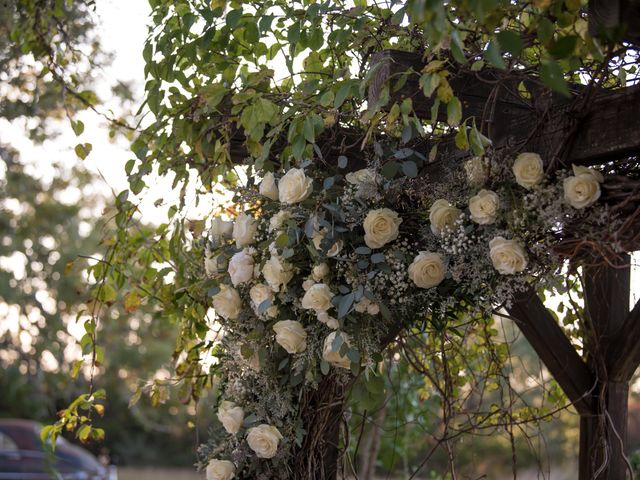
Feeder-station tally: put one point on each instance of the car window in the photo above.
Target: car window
(6, 443)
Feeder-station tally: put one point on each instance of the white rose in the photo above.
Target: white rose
(508, 256)
(333, 251)
(528, 169)
(583, 189)
(214, 264)
(291, 335)
(261, 293)
(241, 267)
(328, 320)
(381, 226)
(443, 216)
(220, 470)
(362, 177)
(231, 416)
(427, 270)
(477, 170)
(268, 186)
(366, 305)
(264, 440)
(317, 298)
(220, 228)
(295, 186)
(278, 220)
(334, 358)
(244, 230)
(362, 305)
(227, 302)
(308, 283)
(484, 207)
(277, 273)
(578, 169)
(320, 271)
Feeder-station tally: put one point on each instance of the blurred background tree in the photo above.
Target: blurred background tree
(55, 221)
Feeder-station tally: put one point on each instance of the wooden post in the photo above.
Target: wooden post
(603, 436)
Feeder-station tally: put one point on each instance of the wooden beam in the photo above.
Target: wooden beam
(606, 293)
(620, 14)
(626, 349)
(606, 130)
(332, 143)
(554, 349)
(601, 438)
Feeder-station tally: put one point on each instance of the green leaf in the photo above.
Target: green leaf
(454, 112)
(477, 66)
(83, 150)
(282, 240)
(475, 138)
(324, 367)
(78, 127)
(345, 304)
(510, 41)
(552, 75)
(378, 257)
(457, 48)
(327, 98)
(45, 432)
(493, 55)
(545, 30)
(251, 33)
(309, 131)
(342, 93)
(429, 82)
(389, 170)
(563, 46)
(83, 432)
(233, 17)
(410, 169)
(337, 342)
(264, 306)
(462, 140)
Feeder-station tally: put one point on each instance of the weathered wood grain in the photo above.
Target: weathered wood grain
(606, 129)
(624, 14)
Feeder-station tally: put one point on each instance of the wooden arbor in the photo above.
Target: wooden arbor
(604, 129)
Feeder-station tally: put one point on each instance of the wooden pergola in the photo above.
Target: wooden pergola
(604, 128)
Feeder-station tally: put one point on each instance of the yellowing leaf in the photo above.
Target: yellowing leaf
(131, 302)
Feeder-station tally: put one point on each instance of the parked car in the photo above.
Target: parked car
(23, 456)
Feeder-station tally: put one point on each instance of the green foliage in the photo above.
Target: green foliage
(271, 84)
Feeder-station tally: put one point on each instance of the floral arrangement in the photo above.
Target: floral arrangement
(321, 270)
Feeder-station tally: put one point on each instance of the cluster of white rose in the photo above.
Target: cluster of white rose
(307, 263)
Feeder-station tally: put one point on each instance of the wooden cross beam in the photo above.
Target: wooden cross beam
(624, 14)
(554, 349)
(606, 130)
